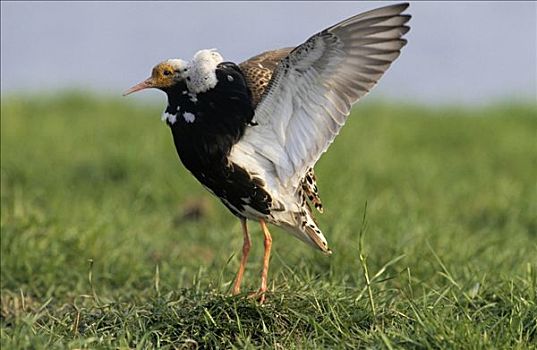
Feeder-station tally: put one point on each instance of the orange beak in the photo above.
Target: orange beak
(146, 84)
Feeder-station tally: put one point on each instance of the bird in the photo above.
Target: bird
(252, 132)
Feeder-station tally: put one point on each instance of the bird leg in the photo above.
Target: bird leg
(266, 260)
(245, 251)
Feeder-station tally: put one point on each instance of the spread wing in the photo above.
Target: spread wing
(309, 97)
(258, 71)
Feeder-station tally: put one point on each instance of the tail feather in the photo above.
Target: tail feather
(315, 235)
(305, 228)
(300, 221)
(311, 191)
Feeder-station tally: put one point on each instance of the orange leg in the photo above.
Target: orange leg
(266, 260)
(245, 251)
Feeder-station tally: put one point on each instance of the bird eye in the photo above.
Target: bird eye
(167, 72)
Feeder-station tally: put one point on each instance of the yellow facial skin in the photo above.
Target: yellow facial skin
(162, 76)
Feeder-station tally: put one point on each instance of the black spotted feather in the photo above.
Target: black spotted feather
(203, 143)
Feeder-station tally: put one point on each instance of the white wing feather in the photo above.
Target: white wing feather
(312, 90)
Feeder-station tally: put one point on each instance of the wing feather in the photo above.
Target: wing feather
(313, 87)
(258, 71)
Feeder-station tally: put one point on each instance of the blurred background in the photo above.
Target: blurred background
(458, 52)
(107, 241)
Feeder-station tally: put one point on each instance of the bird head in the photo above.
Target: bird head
(164, 75)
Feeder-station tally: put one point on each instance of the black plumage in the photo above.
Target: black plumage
(251, 134)
(220, 117)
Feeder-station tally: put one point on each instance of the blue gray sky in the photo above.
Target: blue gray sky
(458, 52)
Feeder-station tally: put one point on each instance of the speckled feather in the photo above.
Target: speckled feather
(308, 100)
(258, 71)
(205, 128)
(253, 135)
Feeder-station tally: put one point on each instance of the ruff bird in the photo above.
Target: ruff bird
(251, 133)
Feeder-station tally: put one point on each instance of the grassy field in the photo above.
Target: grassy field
(99, 248)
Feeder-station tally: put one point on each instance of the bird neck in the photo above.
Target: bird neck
(175, 95)
(206, 125)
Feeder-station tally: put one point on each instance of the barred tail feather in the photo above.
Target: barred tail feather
(316, 236)
(306, 230)
(311, 192)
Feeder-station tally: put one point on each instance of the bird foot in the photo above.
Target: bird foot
(260, 295)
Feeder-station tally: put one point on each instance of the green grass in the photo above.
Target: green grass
(97, 251)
